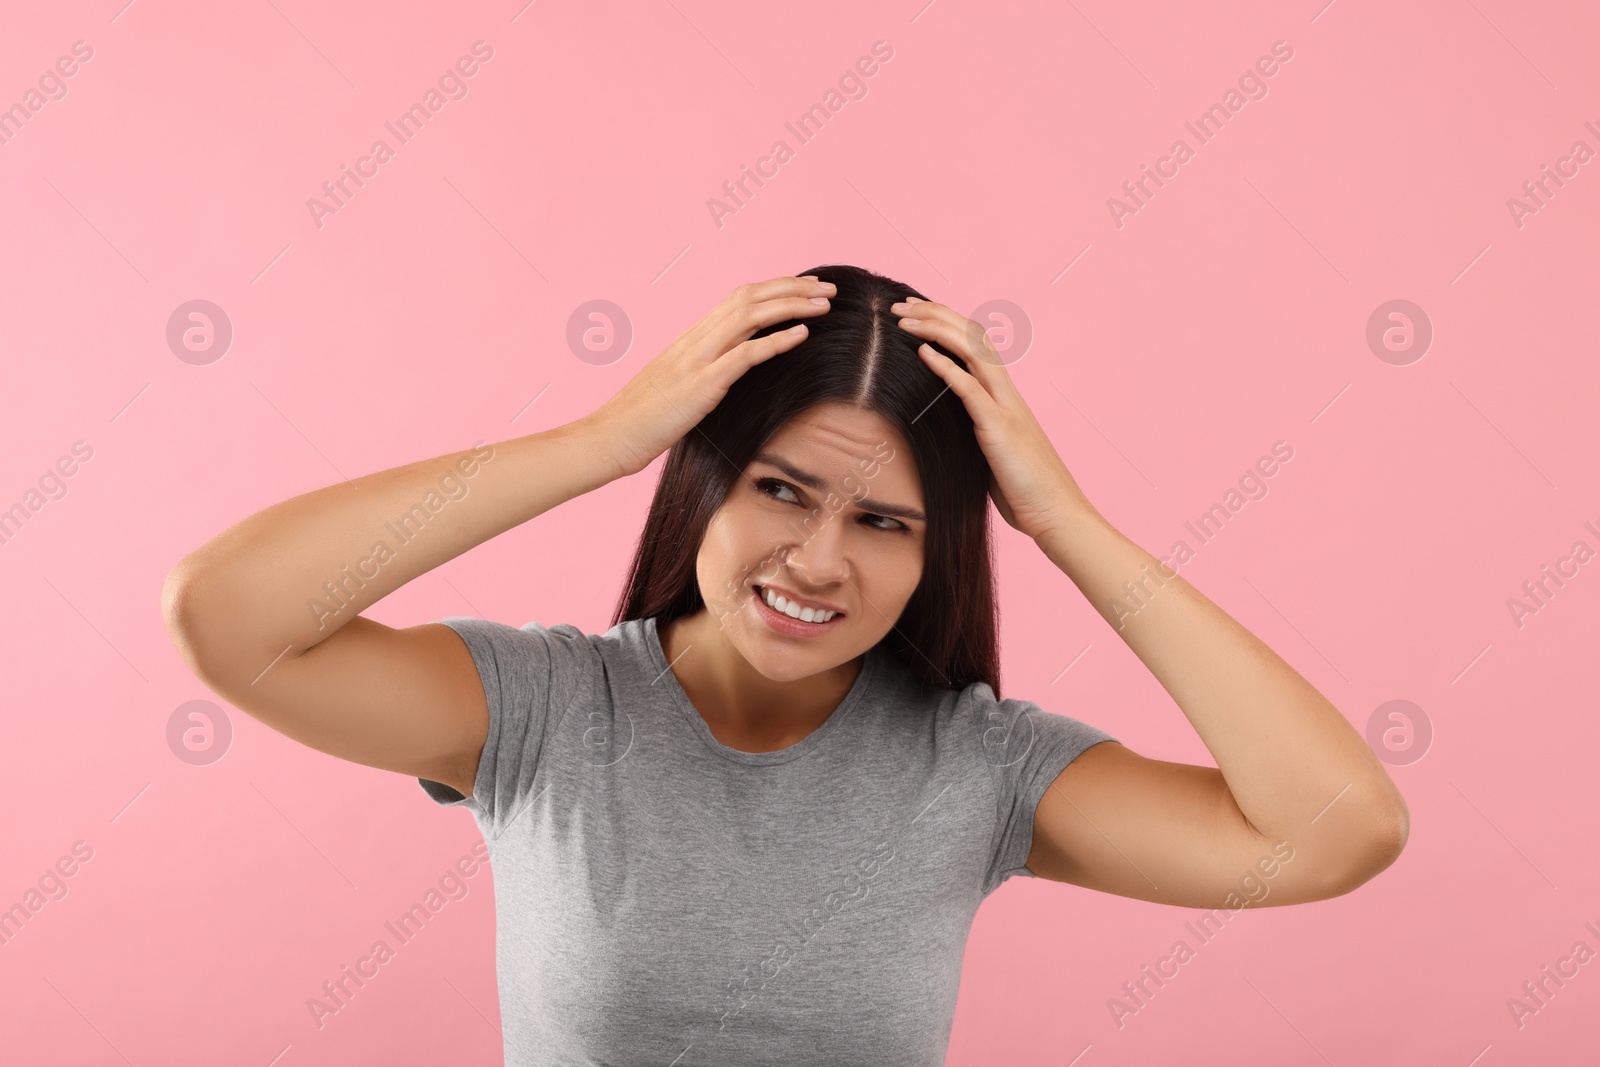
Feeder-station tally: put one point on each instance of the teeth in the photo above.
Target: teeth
(795, 611)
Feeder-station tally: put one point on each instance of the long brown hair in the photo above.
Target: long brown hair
(855, 354)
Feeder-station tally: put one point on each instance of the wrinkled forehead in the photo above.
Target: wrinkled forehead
(835, 442)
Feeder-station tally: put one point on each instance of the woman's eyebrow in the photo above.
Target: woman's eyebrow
(877, 507)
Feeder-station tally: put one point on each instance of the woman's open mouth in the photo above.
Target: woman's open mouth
(807, 622)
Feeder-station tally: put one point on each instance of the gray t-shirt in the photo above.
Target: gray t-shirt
(664, 899)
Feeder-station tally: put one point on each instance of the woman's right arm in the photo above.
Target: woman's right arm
(268, 613)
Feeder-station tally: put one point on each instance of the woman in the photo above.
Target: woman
(751, 822)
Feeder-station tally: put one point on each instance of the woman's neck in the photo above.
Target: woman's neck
(743, 708)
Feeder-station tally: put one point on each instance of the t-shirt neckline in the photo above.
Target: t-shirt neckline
(681, 701)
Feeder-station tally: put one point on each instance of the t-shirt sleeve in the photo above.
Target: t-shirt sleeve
(529, 676)
(1025, 748)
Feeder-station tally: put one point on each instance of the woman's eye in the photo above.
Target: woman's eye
(765, 485)
(770, 487)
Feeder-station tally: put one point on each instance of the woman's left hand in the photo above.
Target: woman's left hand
(1030, 485)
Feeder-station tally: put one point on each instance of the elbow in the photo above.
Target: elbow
(177, 601)
(182, 611)
(1387, 826)
(1387, 839)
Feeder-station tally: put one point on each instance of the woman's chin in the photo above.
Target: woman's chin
(775, 661)
(784, 659)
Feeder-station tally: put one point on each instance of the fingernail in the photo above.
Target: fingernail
(909, 322)
(819, 300)
(913, 299)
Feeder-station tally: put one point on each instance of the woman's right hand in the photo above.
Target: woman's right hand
(674, 391)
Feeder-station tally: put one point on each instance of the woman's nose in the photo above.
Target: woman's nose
(819, 557)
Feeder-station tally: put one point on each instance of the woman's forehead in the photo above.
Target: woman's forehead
(836, 442)
(841, 428)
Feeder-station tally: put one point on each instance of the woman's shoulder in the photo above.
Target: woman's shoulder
(528, 637)
(1003, 729)
(556, 655)
(631, 631)
(898, 681)
(947, 710)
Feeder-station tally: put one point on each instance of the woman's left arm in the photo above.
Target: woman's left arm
(1290, 768)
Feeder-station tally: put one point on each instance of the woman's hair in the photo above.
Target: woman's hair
(854, 354)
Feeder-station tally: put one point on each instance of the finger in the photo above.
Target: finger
(980, 405)
(747, 354)
(737, 321)
(974, 344)
(965, 338)
(754, 292)
(714, 324)
(991, 376)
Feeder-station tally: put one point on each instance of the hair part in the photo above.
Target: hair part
(855, 354)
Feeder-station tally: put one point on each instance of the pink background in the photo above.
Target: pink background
(1228, 313)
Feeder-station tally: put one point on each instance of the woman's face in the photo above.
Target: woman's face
(829, 513)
